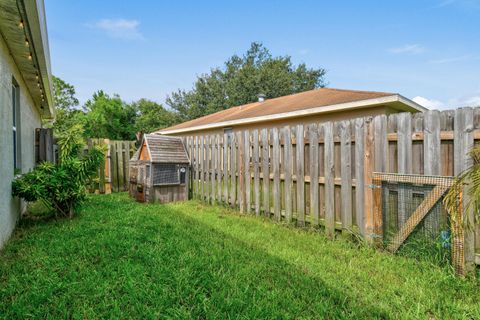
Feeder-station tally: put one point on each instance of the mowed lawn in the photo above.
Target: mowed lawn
(121, 259)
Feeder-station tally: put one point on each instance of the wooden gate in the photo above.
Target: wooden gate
(113, 174)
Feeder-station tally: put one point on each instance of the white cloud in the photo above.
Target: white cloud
(119, 28)
(472, 101)
(466, 4)
(466, 101)
(408, 49)
(429, 103)
(452, 59)
(303, 52)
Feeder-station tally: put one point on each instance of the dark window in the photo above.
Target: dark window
(16, 124)
(165, 173)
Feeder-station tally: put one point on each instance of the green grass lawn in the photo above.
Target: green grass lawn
(121, 259)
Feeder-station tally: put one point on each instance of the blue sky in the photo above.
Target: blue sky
(424, 49)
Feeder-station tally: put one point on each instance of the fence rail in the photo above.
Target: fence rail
(321, 174)
(113, 175)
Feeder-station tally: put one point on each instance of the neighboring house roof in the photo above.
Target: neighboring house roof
(296, 105)
(165, 149)
(23, 27)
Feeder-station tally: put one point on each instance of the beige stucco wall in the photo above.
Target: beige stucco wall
(10, 208)
(319, 118)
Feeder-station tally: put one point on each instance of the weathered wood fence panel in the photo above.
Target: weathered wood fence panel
(113, 175)
(321, 174)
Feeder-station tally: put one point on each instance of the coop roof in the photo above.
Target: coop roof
(318, 101)
(165, 149)
(136, 155)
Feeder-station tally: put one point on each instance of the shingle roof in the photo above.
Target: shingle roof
(295, 102)
(166, 149)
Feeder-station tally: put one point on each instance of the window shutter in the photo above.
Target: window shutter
(44, 150)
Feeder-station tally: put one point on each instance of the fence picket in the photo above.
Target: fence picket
(265, 172)
(241, 173)
(431, 161)
(213, 147)
(248, 202)
(287, 149)
(237, 172)
(276, 174)
(346, 175)
(256, 172)
(300, 175)
(404, 146)
(463, 142)
(219, 168)
(369, 166)
(202, 168)
(226, 144)
(359, 178)
(313, 144)
(233, 171)
(329, 175)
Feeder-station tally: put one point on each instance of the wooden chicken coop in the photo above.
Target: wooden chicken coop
(159, 170)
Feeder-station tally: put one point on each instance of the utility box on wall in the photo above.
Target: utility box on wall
(159, 170)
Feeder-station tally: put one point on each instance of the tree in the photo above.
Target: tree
(241, 79)
(151, 116)
(64, 95)
(109, 117)
(67, 113)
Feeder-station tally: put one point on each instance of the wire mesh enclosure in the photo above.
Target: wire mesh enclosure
(165, 173)
(410, 218)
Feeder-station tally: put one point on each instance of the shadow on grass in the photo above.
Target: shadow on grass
(128, 260)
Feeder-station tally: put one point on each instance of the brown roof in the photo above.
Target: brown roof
(299, 101)
(166, 149)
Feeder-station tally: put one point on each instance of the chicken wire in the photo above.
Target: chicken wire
(413, 220)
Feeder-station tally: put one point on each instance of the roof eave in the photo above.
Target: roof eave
(410, 106)
(36, 20)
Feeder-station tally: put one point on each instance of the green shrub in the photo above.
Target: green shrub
(61, 187)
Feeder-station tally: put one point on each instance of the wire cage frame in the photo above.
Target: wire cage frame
(436, 187)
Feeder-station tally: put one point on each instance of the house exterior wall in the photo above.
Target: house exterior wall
(333, 116)
(30, 119)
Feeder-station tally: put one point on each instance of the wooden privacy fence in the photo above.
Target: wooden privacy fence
(321, 174)
(113, 175)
